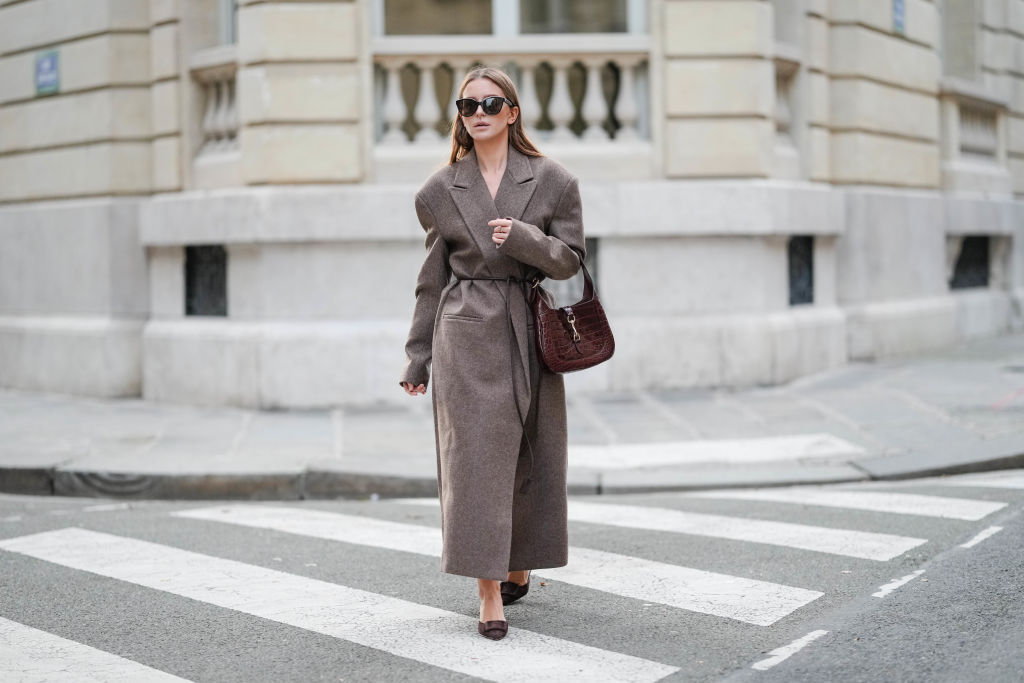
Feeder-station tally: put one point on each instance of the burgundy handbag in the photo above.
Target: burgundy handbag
(574, 337)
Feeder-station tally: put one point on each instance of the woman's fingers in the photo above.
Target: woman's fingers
(409, 389)
(502, 227)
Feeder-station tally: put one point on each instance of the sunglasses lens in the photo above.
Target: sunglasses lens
(466, 107)
(492, 105)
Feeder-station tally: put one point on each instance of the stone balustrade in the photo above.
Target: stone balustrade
(214, 71)
(575, 89)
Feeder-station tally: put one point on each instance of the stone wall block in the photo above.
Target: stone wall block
(867, 105)
(719, 147)
(167, 164)
(166, 107)
(300, 92)
(98, 62)
(87, 117)
(866, 158)
(164, 54)
(30, 25)
(281, 32)
(710, 27)
(858, 51)
(921, 19)
(301, 153)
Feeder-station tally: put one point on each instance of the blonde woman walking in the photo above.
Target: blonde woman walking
(499, 217)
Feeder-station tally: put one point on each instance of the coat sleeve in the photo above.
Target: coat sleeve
(433, 278)
(558, 252)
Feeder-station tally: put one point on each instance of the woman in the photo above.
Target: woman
(498, 218)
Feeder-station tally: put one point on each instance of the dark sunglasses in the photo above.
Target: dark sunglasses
(491, 105)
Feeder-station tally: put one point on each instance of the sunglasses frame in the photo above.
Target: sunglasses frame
(479, 104)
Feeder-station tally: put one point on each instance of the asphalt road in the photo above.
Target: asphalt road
(856, 582)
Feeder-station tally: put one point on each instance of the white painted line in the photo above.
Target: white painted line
(875, 501)
(715, 451)
(28, 654)
(991, 531)
(896, 583)
(108, 507)
(406, 629)
(781, 654)
(747, 600)
(987, 480)
(862, 544)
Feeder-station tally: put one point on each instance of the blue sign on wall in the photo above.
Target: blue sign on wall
(898, 17)
(47, 73)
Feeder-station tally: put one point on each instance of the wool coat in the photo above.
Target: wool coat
(502, 486)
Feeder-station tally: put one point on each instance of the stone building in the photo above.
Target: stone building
(211, 201)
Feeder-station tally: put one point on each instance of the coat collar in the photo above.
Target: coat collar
(467, 169)
(514, 192)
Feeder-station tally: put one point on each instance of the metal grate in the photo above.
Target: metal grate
(800, 255)
(972, 263)
(206, 280)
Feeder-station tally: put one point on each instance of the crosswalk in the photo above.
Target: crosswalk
(744, 601)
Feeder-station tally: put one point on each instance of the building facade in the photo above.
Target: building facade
(210, 201)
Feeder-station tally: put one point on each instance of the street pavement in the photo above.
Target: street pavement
(957, 410)
(911, 580)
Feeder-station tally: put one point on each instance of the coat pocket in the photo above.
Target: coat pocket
(462, 317)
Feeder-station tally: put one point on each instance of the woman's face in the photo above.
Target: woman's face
(482, 127)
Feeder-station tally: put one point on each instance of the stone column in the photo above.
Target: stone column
(300, 92)
(718, 88)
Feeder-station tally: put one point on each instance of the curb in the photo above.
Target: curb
(319, 484)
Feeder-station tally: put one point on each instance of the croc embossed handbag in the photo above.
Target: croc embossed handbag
(574, 337)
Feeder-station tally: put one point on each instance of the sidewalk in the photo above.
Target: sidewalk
(955, 411)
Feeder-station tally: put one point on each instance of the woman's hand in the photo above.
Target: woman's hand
(502, 227)
(412, 391)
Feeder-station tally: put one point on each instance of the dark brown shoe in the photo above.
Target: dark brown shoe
(495, 630)
(512, 591)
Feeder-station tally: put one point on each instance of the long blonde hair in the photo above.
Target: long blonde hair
(462, 142)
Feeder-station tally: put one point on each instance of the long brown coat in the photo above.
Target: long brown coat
(489, 525)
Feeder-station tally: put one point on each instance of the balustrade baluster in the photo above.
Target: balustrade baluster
(427, 110)
(394, 105)
(625, 106)
(560, 108)
(529, 102)
(210, 88)
(595, 107)
(459, 70)
(220, 120)
(232, 117)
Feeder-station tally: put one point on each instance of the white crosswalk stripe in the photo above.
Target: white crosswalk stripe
(29, 654)
(875, 501)
(848, 542)
(440, 638)
(747, 600)
(1014, 480)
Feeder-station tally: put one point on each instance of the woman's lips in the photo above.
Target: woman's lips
(480, 125)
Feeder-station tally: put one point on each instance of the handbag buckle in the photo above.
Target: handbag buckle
(571, 319)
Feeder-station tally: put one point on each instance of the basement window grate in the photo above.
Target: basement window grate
(206, 281)
(800, 255)
(972, 263)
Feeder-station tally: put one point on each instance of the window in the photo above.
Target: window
(800, 252)
(572, 16)
(971, 268)
(206, 281)
(509, 17)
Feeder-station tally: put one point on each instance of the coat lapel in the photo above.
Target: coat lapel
(469, 192)
(517, 186)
